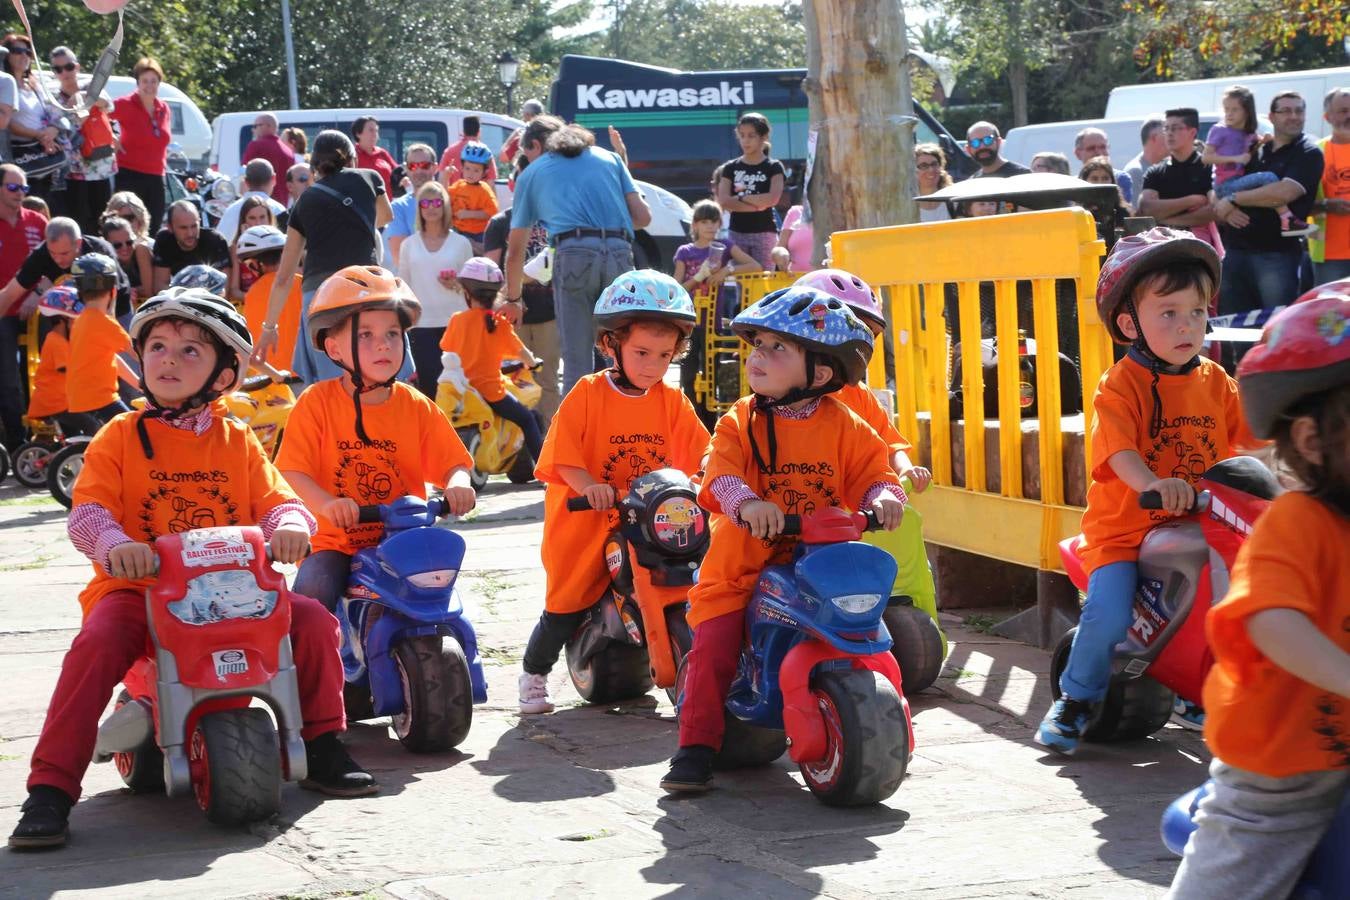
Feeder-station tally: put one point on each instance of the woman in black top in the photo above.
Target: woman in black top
(750, 187)
(332, 234)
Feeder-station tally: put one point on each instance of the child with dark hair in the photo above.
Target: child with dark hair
(750, 187)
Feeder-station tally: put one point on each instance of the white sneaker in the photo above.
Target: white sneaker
(534, 694)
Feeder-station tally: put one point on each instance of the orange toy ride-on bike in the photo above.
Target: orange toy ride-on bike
(496, 445)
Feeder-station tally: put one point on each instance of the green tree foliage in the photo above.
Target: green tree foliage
(1232, 31)
(704, 34)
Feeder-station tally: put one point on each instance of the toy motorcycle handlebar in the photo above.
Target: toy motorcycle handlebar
(578, 504)
(792, 525)
(437, 506)
(1153, 500)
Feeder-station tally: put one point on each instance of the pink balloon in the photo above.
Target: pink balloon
(103, 7)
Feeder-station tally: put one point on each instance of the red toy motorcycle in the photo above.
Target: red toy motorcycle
(220, 618)
(1183, 571)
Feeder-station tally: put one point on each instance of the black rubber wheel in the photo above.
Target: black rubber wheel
(522, 468)
(142, 769)
(1133, 708)
(917, 646)
(437, 694)
(236, 766)
(681, 639)
(30, 463)
(617, 672)
(867, 749)
(63, 470)
(743, 745)
(358, 702)
(472, 438)
(4, 463)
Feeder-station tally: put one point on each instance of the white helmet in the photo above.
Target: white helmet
(205, 309)
(259, 239)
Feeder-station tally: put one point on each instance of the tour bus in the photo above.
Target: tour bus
(679, 126)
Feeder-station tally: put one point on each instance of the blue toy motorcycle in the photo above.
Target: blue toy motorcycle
(817, 675)
(1327, 874)
(408, 651)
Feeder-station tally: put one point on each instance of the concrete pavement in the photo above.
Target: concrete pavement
(567, 805)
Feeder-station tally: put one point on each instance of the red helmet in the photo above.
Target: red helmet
(1304, 350)
(1330, 289)
(850, 289)
(1139, 254)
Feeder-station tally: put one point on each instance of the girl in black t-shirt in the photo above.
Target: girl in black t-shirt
(749, 189)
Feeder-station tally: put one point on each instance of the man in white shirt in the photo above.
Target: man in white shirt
(259, 179)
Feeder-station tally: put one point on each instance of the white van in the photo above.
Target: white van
(187, 124)
(1024, 142)
(1206, 94)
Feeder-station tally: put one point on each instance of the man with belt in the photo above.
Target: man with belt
(588, 203)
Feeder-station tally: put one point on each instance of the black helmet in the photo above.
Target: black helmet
(94, 273)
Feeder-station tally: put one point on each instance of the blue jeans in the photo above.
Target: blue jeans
(582, 268)
(1259, 279)
(12, 387)
(512, 410)
(1107, 615)
(1244, 183)
(1331, 270)
(323, 576)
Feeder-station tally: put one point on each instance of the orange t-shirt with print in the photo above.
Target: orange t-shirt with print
(49, 382)
(91, 376)
(1336, 185)
(466, 197)
(1202, 424)
(830, 458)
(864, 403)
(412, 443)
(481, 351)
(615, 438)
(218, 478)
(288, 324)
(1259, 717)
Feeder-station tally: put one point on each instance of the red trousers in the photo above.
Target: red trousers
(709, 671)
(113, 638)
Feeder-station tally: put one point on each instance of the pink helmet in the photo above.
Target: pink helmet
(849, 289)
(480, 268)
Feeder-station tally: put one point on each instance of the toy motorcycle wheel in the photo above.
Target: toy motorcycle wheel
(917, 646)
(235, 761)
(867, 739)
(142, 769)
(63, 470)
(681, 639)
(1133, 708)
(472, 439)
(744, 745)
(437, 694)
(4, 463)
(617, 672)
(31, 461)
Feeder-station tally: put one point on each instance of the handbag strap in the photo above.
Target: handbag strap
(347, 202)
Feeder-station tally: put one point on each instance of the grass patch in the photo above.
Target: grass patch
(496, 656)
(29, 500)
(983, 623)
(36, 562)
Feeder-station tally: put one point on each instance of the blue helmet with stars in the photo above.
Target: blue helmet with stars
(817, 321)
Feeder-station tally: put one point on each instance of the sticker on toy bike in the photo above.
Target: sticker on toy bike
(678, 522)
(229, 662)
(217, 596)
(216, 546)
(1149, 616)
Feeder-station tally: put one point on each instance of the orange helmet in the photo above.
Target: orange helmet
(357, 289)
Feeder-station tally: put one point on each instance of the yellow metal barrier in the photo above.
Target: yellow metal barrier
(913, 264)
(721, 380)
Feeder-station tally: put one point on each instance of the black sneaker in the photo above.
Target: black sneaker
(690, 771)
(44, 820)
(333, 772)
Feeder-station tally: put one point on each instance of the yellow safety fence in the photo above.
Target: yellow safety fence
(914, 264)
(722, 352)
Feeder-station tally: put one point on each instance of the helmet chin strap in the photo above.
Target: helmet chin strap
(617, 374)
(768, 404)
(201, 397)
(359, 381)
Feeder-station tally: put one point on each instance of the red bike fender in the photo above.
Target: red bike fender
(802, 719)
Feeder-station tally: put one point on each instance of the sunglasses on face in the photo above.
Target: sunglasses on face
(927, 167)
(17, 188)
(986, 141)
(431, 203)
(418, 166)
(19, 51)
(68, 67)
(118, 245)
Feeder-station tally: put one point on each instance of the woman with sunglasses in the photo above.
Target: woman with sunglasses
(132, 255)
(428, 261)
(930, 166)
(145, 140)
(30, 127)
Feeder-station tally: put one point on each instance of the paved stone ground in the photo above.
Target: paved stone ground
(567, 805)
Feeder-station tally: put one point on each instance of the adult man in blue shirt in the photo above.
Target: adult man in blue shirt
(420, 164)
(590, 207)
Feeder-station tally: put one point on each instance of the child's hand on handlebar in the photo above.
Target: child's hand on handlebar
(1177, 496)
(889, 511)
(131, 560)
(600, 496)
(764, 519)
(460, 499)
(289, 544)
(344, 512)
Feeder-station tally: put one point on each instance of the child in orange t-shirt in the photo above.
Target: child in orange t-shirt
(482, 339)
(49, 382)
(612, 427)
(472, 202)
(364, 438)
(1164, 415)
(1278, 696)
(788, 449)
(259, 249)
(173, 467)
(96, 340)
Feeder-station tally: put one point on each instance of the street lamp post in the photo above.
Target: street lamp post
(507, 69)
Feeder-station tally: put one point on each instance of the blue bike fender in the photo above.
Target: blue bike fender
(386, 690)
(837, 570)
(463, 631)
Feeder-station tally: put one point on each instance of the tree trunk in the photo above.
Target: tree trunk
(857, 85)
(1017, 84)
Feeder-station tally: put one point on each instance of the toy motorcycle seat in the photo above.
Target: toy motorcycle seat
(1246, 474)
